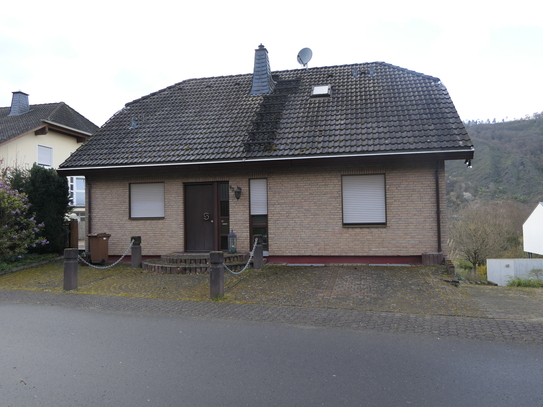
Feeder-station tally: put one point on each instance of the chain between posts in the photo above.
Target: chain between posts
(111, 265)
(251, 254)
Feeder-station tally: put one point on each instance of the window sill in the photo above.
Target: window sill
(158, 218)
(365, 225)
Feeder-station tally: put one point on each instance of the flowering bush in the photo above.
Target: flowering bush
(18, 231)
(49, 195)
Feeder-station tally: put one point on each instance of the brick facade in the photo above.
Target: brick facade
(304, 209)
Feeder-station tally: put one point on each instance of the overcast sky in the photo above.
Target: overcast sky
(96, 56)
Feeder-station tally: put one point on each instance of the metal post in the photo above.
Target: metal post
(258, 257)
(216, 275)
(135, 256)
(70, 269)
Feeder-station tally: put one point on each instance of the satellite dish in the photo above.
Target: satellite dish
(304, 56)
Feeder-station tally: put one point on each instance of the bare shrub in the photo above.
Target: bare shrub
(485, 230)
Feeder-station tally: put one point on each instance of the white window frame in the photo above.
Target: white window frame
(76, 192)
(44, 156)
(147, 200)
(364, 200)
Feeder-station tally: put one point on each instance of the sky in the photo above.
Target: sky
(97, 56)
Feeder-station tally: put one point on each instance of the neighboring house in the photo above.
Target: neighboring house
(45, 134)
(333, 164)
(532, 231)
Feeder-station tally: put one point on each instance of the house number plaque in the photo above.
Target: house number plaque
(206, 215)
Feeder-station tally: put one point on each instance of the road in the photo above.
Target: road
(61, 356)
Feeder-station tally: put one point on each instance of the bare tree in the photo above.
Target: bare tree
(483, 231)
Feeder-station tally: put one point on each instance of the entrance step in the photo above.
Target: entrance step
(192, 263)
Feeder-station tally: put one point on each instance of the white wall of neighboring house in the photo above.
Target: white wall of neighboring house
(22, 151)
(532, 231)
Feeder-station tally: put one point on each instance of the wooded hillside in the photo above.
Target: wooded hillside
(508, 164)
(488, 204)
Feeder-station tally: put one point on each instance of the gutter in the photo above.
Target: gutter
(438, 210)
(245, 160)
(88, 194)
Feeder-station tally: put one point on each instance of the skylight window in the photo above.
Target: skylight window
(321, 91)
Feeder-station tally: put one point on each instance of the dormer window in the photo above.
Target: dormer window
(321, 91)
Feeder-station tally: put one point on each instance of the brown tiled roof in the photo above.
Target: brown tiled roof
(59, 113)
(374, 108)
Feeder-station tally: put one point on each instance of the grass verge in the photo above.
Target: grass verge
(17, 263)
(525, 282)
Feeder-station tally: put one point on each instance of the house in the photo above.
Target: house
(45, 134)
(532, 231)
(331, 164)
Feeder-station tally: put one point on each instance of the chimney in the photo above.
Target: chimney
(19, 103)
(263, 83)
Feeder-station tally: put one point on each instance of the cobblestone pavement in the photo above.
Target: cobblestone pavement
(393, 299)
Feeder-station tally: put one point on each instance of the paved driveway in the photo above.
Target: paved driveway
(514, 303)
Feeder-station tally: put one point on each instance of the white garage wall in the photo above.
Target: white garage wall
(499, 271)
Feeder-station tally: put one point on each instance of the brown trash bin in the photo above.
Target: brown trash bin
(98, 247)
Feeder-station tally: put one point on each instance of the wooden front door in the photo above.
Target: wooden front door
(200, 218)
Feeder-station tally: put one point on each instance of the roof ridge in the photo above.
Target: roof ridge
(34, 105)
(275, 72)
(179, 83)
(152, 94)
(411, 71)
(55, 110)
(359, 64)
